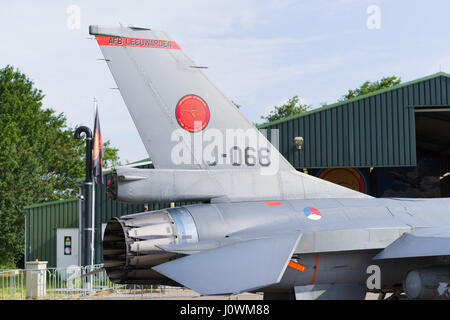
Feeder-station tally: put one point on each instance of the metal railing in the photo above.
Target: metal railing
(89, 282)
(12, 284)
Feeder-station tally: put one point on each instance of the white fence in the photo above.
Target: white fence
(90, 282)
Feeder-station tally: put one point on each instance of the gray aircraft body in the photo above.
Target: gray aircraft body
(260, 225)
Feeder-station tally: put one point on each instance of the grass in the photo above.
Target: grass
(12, 285)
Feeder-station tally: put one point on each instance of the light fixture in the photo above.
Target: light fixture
(298, 141)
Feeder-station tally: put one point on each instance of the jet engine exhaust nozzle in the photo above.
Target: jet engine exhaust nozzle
(130, 244)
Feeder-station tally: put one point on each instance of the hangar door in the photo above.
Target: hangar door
(433, 142)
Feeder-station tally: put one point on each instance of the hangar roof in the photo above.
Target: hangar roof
(374, 130)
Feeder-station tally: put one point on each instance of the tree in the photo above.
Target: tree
(39, 158)
(368, 87)
(238, 106)
(110, 156)
(290, 108)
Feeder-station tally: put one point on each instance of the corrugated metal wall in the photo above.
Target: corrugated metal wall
(42, 220)
(377, 130)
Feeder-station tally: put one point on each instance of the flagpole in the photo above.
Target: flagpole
(88, 183)
(93, 200)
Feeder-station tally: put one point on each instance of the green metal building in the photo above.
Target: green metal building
(406, 126)
(41, 222)
(393, 142)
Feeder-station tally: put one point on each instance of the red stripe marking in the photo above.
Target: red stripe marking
(136, 42)
(273, 203)
(315, 269)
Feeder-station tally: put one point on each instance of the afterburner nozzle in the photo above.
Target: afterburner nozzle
(130, 244)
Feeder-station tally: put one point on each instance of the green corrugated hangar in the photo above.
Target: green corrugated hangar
(391, 143)
(395, 142)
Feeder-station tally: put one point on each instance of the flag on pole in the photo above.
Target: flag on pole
(97, 152)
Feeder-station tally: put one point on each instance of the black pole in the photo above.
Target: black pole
(87, 194)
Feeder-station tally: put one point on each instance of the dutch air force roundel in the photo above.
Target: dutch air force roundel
(192, 113)
(312, 213)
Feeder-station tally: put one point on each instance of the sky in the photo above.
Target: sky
(258, 53)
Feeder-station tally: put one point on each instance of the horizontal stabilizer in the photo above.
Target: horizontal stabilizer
(234, 268)
(424, 242)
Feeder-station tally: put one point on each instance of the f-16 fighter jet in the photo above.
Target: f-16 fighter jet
(259, 225)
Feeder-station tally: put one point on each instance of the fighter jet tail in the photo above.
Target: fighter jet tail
(186, 123)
